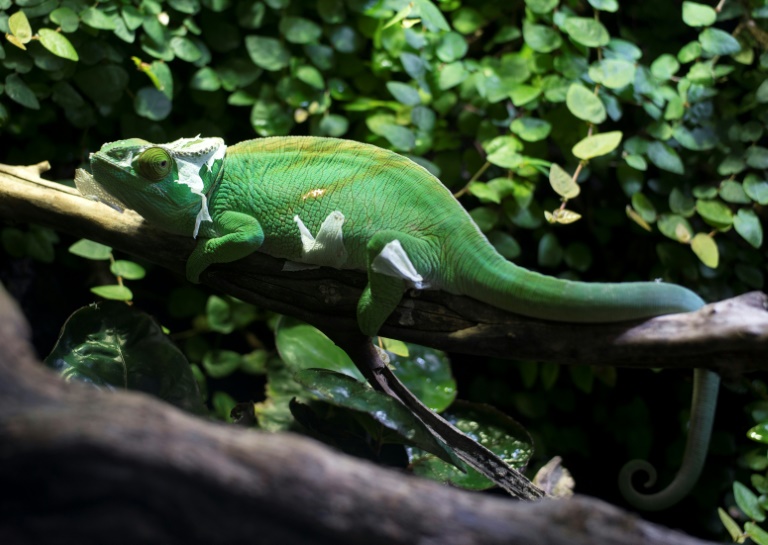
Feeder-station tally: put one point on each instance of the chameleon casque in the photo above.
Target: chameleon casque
(338, 203)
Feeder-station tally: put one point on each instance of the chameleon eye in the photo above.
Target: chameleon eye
(154, 164)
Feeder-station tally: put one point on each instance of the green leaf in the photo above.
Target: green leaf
(333, 125)
(706, 250)
(747, 502)
(484, 192)
(426, 372)
(695, 14)
(644, 207)
(90, 250)
(18, 91)
(611, 6)
(550, 253)
(452, 47)
(269, 118)
(468, 20)
(299, 30)
(205, 79)
(730, 524)
(541, 6)
(697, 139)
(714, 212)
(718, 42)
(757, 157)
(127, 269)
(504, 151)
(755, 533)
(584, 104)
(733, 192)
(451, 75)
(302, 346)
(759, 433)
(486, 425)
(66, 18)
(400, 137)
(756, 188)
(111, 345)
(637, 162)
(57, 44)
(152, 104)
(675, 227)
(344, 391)
(404, 93)
(431, 16)
(505, 244)
(267, 53)
(19, 26)
(682, 203)
(185, 49)
(95, 18)
(613, 73)
(531, 129)
(664, 67)
(540, 38)
(221, 363)
(689, 52)
(226, 315)
(223, 403)
(597, 145)
(587, 31)
(665, 158)
(748, 225)
(113, 292)
(762, 92)
(522, 94)
(562, 182)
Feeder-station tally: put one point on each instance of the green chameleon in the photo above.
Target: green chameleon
(343, 204)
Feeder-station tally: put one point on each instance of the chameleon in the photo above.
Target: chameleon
(316, 201)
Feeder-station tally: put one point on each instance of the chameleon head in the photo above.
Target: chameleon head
(164, 183)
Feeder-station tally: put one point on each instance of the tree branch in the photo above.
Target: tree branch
(730, 336)
(89, 467)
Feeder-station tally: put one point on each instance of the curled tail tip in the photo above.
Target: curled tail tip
(675, 491)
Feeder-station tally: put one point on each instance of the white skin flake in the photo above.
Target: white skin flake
(326, 249)
(393, 261)
(192, 155)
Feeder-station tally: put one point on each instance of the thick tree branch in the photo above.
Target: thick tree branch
(91, 467)
(730, 336)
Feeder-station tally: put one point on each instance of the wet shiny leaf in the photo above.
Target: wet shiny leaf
(111, 345)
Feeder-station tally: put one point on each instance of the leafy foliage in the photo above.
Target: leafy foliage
(589, 139)
(752, 506)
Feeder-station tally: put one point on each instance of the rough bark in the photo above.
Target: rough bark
(729, 336)
(84, 466)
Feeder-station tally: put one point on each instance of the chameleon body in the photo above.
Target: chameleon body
(338, 203)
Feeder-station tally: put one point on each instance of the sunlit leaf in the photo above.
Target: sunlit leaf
(584, 104)
(562, 182)
(90, 250)
(19, 26)
(597, 145)
(111, 345)
(706, 250)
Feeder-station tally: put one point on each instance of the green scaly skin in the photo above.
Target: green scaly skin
(370, 200)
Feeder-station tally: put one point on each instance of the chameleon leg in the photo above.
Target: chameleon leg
(395, 261)
(242, 236)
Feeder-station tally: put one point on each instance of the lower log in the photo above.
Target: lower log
(84, 466)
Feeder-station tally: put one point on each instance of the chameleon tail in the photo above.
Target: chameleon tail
(703, 404)
(498, 282)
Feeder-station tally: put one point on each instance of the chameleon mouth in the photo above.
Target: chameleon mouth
(91, 189)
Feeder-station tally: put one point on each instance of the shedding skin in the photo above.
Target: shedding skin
(399, 224)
